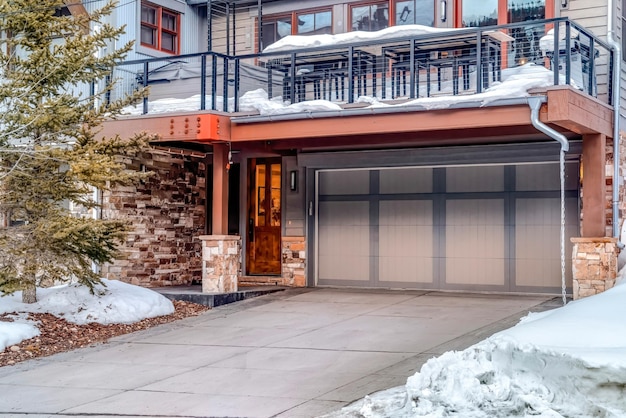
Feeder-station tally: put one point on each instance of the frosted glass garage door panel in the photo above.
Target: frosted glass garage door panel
(406, 241)
(406, 180)
(344, 182)
(535, 177)
(475, 179)
(344, 236)
(537, 241)
(475, 242)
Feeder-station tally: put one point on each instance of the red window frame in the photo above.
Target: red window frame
(159, 29)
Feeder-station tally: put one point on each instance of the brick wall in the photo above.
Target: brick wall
(168, 214)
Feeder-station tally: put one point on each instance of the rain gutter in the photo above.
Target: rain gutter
(535, 103)
(617, 60)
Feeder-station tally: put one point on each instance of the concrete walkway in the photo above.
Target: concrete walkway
(297, 353)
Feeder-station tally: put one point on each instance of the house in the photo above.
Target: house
(385, 161)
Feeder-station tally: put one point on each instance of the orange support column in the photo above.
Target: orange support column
(220, 190)
(594, 186)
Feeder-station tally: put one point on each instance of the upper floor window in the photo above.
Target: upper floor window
(370, 17)
(160, 28)
(414, 12)
(314, 23)
(310, 22)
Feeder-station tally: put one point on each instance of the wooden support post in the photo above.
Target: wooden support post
(594, 185)
(220, 190)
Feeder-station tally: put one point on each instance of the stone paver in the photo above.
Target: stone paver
(298, 353)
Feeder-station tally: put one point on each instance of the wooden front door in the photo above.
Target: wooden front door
(264, 217)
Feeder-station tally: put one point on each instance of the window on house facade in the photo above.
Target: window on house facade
(414, 12)
(160, 28)
(495, 12)
(297, 23)
(314, 23)
(369, 17)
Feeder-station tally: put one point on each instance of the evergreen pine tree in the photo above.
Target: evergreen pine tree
(50, 153)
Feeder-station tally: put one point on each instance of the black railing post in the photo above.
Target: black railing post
(479, 63)
(145, 84)
(236, 87)
(213, 82)
(225, 89)
(412, 69)
(203, 82)
(351, 74)
(568, 54)
(592, 65)
(556, 52)
(292, 74)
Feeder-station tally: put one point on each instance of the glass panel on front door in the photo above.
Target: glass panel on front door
(264, 220)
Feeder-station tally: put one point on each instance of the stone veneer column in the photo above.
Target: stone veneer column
(221, 258)
(594, 265)
(294, 261)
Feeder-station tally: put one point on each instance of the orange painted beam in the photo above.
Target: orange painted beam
(197, 127)
(220, 190)
(594, 186)
(389, 123)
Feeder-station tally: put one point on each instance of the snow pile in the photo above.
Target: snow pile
(569, 362)
(292, 42)
(118, 302)
(190, 104)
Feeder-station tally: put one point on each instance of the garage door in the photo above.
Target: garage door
(486, 227)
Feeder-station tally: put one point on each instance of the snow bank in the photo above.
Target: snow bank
(569, 362)
(12, 333)
(118, 302)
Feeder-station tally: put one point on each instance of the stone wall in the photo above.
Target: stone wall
(221, 263)
(594, 266)
(167, 213)
(609, 184)
(294, 261)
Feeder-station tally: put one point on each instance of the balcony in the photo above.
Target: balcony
(425, 68)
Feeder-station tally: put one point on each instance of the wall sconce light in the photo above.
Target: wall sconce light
(293, 180)
(564, 4)
(444, 10)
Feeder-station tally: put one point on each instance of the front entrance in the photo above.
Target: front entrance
(264, 216)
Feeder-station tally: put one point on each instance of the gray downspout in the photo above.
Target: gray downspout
(535, 103)
(617, 60)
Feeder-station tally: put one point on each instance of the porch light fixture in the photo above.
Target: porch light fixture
(564, 4)
(444, 10)
(293, 180)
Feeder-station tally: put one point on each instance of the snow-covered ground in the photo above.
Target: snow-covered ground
(567, 362)
(118, 302)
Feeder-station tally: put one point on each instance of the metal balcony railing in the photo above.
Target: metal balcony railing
(457, 62)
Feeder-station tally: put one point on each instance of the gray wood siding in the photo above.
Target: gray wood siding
(294, 200)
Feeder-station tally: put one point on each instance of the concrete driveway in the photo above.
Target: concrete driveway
(298, 353)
